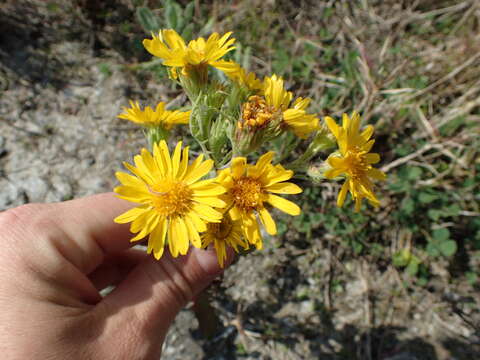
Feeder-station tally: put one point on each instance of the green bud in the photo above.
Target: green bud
(155, 134)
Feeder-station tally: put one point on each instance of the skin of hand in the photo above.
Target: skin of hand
(54, 260)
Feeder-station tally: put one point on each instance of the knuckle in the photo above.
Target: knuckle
(23, 217)
(180, 289)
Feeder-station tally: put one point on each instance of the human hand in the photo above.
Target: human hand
(54, 260)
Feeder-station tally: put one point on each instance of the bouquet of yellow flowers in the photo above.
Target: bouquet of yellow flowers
(221, 198)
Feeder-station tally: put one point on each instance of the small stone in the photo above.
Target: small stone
(36, 189)
(9, 195)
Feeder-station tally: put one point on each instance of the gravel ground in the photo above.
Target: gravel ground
(60, 139)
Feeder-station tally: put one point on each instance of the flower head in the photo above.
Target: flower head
(174, 204)
(354, 160)
(239, 75)
(158, 117)
(171, 47)
(228, 232)
(295, 118)
(271, 108)
(251, 190)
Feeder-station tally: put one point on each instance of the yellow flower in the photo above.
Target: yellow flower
(354, 160)
(238, 74)
(228, 232)
(272, 105)
(174, 204)
(171, 47)
(157, 117)
(295, 118)
(251, 188)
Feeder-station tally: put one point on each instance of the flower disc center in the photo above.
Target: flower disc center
(256, 112)
(172, 198)
(247, 193)
(221, 230)
(356, 164)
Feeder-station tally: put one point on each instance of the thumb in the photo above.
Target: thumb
(150, 297)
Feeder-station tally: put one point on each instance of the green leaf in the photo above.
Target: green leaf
(171, 15)
(187, 32)
(427, 197)
(441, 235)
(357, 247)
(408, 205)
(412, 268)
(432, 250)
(472, 278)
(451, 127)
(401, 258)
(188, 12)
(434, 214)
(422, 281)
(179, 16)
(414, 173)
(452, 210)
(448, 248)
(147, 19)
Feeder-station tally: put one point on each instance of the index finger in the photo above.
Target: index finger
(90, 229)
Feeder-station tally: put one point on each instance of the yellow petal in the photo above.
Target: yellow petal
(265, 159)
(238, 167)
(133, 194)
(367, 133)
(345, 122)
(164, 156)
(284, 205)
(284, 188)
(358, 204)
(376, 174)
(199, 223)
(199, 172)
(183, 238)
(372, 158)
(182, 170)
(221, 252)
(176, 159)
(278, 176)
(207, 190)
(172, 237)
(207, 213)
(145, 226)
(129, 180)
(193, 234)
(156, 240)
(251, 230)
(336, 162)
(332, 126)
(130, 215)
(235, 213)
(267, 221)
(342, 194)
(333, 173)
(211, 201)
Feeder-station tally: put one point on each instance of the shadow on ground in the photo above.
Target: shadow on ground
(320, 339)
